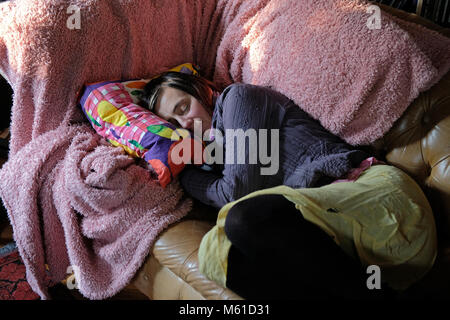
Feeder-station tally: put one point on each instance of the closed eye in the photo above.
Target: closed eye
(183, 109)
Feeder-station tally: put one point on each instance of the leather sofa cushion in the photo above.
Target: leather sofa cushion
(171, 271)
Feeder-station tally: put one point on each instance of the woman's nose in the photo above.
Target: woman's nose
(186, 123)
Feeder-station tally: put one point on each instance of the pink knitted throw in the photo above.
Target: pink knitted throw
(356, 81)
(320, 53)
(77, 201)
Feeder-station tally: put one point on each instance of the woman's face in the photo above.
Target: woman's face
(181, 109)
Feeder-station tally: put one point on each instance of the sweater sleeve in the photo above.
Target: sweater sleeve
(240, 106)
(208, 187)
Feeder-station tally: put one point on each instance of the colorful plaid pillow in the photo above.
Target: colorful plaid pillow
(115, 115)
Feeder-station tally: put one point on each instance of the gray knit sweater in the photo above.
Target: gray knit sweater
(309, 155)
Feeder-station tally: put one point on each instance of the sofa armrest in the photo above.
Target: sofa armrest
(172, 271)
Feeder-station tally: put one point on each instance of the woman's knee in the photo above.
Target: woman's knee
(254, 216)
(238, 220)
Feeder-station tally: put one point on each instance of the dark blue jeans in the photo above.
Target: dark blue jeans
(277, 254)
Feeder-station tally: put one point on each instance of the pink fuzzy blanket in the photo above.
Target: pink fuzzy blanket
(77, 201)
(356, 81)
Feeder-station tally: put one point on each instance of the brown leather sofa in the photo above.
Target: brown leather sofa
(418, 143)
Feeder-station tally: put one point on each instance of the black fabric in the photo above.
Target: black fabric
(6, 99)
(277, 254)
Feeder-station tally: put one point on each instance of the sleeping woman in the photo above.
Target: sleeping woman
(273, 226)
(309, 156)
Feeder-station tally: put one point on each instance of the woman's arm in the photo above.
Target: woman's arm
(208, 187)
(240, 106)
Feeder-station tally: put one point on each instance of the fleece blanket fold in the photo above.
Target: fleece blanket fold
(356, 80)
(98, 211)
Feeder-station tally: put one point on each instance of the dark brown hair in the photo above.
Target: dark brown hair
(196, 86)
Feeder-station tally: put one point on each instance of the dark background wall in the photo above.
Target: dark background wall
(407, 5)
(5, 103)
(437, 11)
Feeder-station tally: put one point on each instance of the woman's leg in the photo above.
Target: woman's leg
(276, 253)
